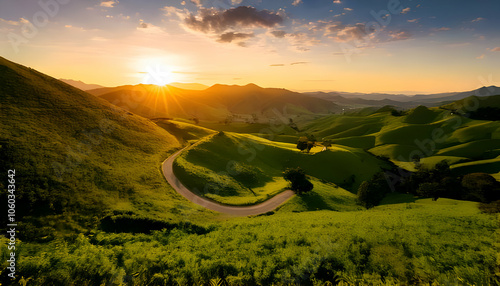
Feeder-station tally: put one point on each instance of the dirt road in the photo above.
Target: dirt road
(269, 205)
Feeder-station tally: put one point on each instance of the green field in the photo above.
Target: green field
(413, 242)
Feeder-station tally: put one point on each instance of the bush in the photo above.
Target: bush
(299, 183)
(371, 193)
(482, 187)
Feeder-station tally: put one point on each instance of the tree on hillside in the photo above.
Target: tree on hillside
(482, 187)
(299, 182)
(302, 143)
(327, 143)
(371, 193)
(196, 120)
(429, 190)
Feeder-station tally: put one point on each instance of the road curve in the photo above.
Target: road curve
(267, 206)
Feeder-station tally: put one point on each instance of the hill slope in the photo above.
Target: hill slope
(76, 156)
(433, 134)
(81, 85)
(241, 169)
(215, 103)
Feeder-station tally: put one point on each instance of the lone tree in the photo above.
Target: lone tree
(482, 187)
(299, 182)
(371, 193)
(302, 143)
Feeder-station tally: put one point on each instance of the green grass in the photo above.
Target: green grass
(454, 138)
(207, 168)
(324, 196)
(77, 157)
(409, 243)
(184, 131)
(241, 127)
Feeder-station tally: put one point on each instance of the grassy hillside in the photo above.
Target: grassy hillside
(433, 134)
(415, 242)
(244, 169)
(77, 157)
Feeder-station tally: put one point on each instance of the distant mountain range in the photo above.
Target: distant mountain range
(399, 100)
(190, 100)
(79, 84)
(217, 102)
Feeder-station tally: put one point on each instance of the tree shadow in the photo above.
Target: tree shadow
(313, 201)
(398, 198)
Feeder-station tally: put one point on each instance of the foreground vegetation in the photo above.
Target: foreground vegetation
(412, 242)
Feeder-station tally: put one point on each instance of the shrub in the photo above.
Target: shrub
(299, 183)
(482, 187)
(370, 193)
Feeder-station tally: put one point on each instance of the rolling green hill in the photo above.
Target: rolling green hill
(433, 134)
(77, 157)
(244, 169)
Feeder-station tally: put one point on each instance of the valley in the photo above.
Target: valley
(150, 185)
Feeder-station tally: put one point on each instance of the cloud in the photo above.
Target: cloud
(109, 4)
(457, 45)
(348, 9)
(405, 10)
(480, 57)
(171, 10)
(497, 49)
(299, 63)
(413, 21)
(143, 25)
(277, 65)
(196, 2)
(351, 33)
(217, 21)
(14, 23)
(279, 34)
(231, 36)
(477, 19)
(337, 2)
(236, 2)
(441, 29)
(297, 2)
(400, 35)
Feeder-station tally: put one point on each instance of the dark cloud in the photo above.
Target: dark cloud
(298, 63)
(277, 65)
(279, 34)
(218, 21)
(231, 36)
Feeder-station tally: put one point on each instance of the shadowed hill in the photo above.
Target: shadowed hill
(215, 103)
(77, 156)
(81, 85)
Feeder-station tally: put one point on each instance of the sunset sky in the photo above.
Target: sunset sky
(408, 46)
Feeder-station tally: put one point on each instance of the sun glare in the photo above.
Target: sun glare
(157, 75)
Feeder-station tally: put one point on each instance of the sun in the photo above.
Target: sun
(157, 75)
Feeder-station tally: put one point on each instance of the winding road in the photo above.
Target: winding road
(267, 206)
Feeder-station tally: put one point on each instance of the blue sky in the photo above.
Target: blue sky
(406, 46)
